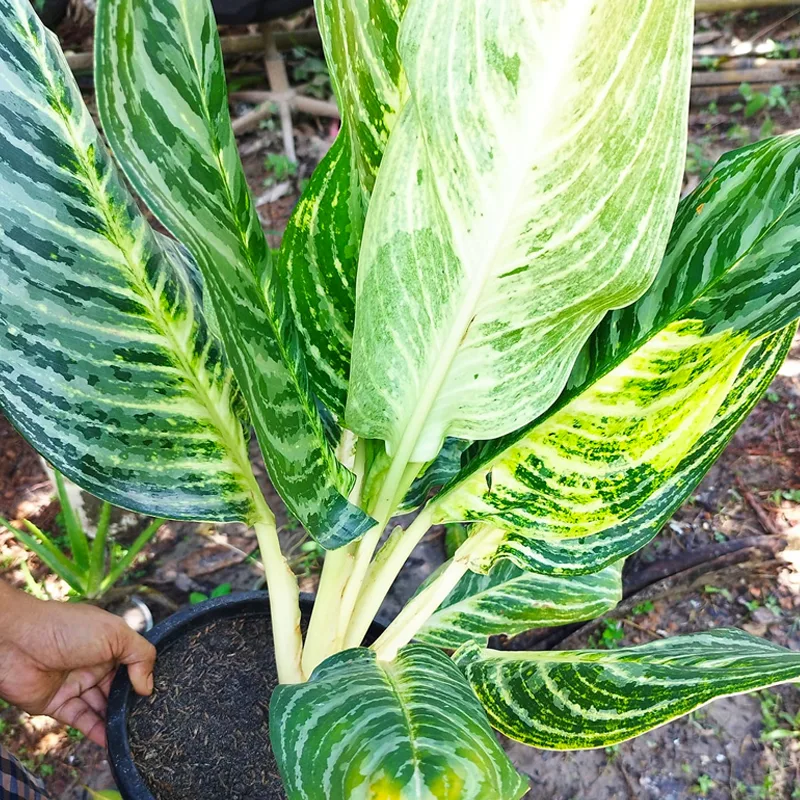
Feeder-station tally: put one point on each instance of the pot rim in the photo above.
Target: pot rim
(121, 696)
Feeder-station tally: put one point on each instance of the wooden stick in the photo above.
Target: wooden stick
(269, 105)
(239, 45)
(788, 73)
(739, 5)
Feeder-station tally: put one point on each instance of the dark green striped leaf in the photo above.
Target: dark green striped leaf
(409, 729)
(106, 364)
(509, 600)
(162, 98)
(655, 376)
(320, 247)
(596, 698)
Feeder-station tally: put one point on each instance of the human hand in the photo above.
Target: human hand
(59, 659)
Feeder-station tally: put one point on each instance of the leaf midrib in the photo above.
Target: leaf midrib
(394, 689)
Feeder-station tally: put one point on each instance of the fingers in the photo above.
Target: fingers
(97, 701)
(139, 656)
(105, 685)
(81, 716)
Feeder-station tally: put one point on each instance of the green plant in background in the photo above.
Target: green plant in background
(223, 590)
(756, 101)
(279, 168)
(484, 310)
(89, 566)
(312, 72)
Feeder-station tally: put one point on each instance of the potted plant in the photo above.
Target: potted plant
(484, 309)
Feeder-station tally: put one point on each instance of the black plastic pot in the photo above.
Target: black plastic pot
(183, 623)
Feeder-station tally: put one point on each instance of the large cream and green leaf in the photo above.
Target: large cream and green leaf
(411, 729)
(661, 386)
(527, 188)
(162, 97)
(320, 247)
(107, 365)
(575, 700)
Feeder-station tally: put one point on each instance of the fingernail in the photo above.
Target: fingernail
(150, 683)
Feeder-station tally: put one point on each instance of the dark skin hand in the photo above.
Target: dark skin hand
(59, 659)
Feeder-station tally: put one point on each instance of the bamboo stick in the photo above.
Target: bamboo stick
(788, 73)
(739, 5)
(268, 105)
(242, 44)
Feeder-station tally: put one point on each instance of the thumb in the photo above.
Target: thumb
(140, 657)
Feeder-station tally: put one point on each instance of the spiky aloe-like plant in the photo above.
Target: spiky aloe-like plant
(478, 312)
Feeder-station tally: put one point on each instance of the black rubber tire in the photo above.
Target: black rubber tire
(243, 12)
(228, 12)
(51, 12)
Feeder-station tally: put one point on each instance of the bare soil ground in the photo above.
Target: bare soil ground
(736, 748)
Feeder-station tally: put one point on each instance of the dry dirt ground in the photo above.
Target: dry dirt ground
(736, 748)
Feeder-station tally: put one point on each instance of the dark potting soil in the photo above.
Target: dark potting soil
(204, 733)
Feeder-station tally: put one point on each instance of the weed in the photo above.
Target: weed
(312, 72)
(609, 636)
(279, 167)
(697, 162)
(703, 786)
(725, 593)
(223, 590)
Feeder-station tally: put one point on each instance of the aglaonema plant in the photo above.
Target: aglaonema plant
(485, 309)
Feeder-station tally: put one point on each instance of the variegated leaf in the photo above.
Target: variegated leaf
(437, 473)
(320, 247)
(509, 600)
(410, 729)
(590, 553)
(162, 98)
(596, 698)
(523, 193)
(653, 378)
(106, 364)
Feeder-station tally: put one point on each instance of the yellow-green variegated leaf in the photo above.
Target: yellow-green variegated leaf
(107, 365)
(410, 729)
(527, 188)
(596, 698)
(590, 553)
(509, 600)
(162, 97)
(320, 247)
(655, 377)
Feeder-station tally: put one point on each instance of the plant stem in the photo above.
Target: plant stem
(323, 638)
(382, 574)
(97, 554)
(418, 611)
(482, 543)
(284, 601)
(388, 500)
